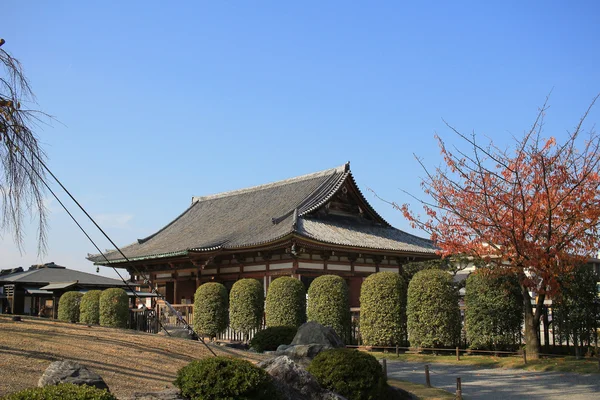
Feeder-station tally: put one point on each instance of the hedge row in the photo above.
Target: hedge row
(109, 307)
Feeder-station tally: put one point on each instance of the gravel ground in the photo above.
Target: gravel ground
(497, 383)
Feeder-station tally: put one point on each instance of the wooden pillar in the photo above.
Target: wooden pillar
(175, 294)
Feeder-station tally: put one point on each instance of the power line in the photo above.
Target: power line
(129, 263)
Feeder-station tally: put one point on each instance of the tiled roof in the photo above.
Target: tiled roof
(263, 214)
(361, 234)
(49, 275)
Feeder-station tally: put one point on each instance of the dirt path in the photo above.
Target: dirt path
(498, 383)
(128, 361)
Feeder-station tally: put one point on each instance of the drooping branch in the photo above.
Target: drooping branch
(21, 187)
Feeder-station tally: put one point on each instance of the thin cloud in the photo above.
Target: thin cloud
(118, 221)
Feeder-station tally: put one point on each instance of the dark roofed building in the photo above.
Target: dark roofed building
(303, 227)
(26, 292)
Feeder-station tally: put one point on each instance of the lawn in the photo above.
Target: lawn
(127, 360)
(559, 364)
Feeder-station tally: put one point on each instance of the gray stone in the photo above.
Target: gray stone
(68, 371)
(294, 382)
(283, 347)
(315, 333)
(302, 350)
(167, 394)
(178, 333)
(311, 339)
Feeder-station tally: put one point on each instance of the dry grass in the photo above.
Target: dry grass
(128, 361)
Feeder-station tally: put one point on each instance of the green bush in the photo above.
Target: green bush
(210, 309)
(114, 308)
(286, 303)
(433, 316)
(89, 308)
(494, 311)
(383, 309)
(271, 338)
(246, 305)
(329, 305)
(225, 378)
(68, 306)
(62, 391)
(353, 374)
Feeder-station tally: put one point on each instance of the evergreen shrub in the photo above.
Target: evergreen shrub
(286, 303)
(494, 311)
(329, 305)
(89, 308)
(62, 391)
(114, 308)
(225, 378)
(270, 338)
(210, 309)
(68, 306)
(246, 305)
(433, 315)
(353, 374)
(383, 309)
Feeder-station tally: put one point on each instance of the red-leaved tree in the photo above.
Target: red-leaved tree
(532, 210)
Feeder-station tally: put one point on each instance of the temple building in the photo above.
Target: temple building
(303, 227)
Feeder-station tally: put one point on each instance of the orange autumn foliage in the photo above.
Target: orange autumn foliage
(533, 209)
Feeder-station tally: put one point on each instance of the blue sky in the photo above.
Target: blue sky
(157, 102)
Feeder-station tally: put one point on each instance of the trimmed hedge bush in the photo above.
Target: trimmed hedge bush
(62, 391)
(89, 308)
(68, 306)
(246, 305)
(286, 303)
(329, 305)
(494, 311)
(383, 309)
(225, 378)
(271, 338)
(210, 309)
(432, 311)
(114, 308)
(354, 374)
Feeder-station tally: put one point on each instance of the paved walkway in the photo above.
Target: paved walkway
(496, 383)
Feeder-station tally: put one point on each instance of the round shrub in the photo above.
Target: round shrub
(68, 306)
(246, 305)
(210, 309)
(62, 391)
(286, 303)
(270, 338)
(494, 311)
(353, 374)
(89, 308)
(383, 309)
(225, 378)
(433, 316)
(329, 305)
(114, 308)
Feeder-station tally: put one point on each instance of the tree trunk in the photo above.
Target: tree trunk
(532, 325)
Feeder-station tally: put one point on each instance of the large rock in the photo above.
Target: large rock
(311, 339)
(315, 333)
(294, 382)
(68, 371)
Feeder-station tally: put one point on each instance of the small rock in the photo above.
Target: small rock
(68, 371)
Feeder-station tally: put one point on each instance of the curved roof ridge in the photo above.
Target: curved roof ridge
(235, 192)
(140, 241)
